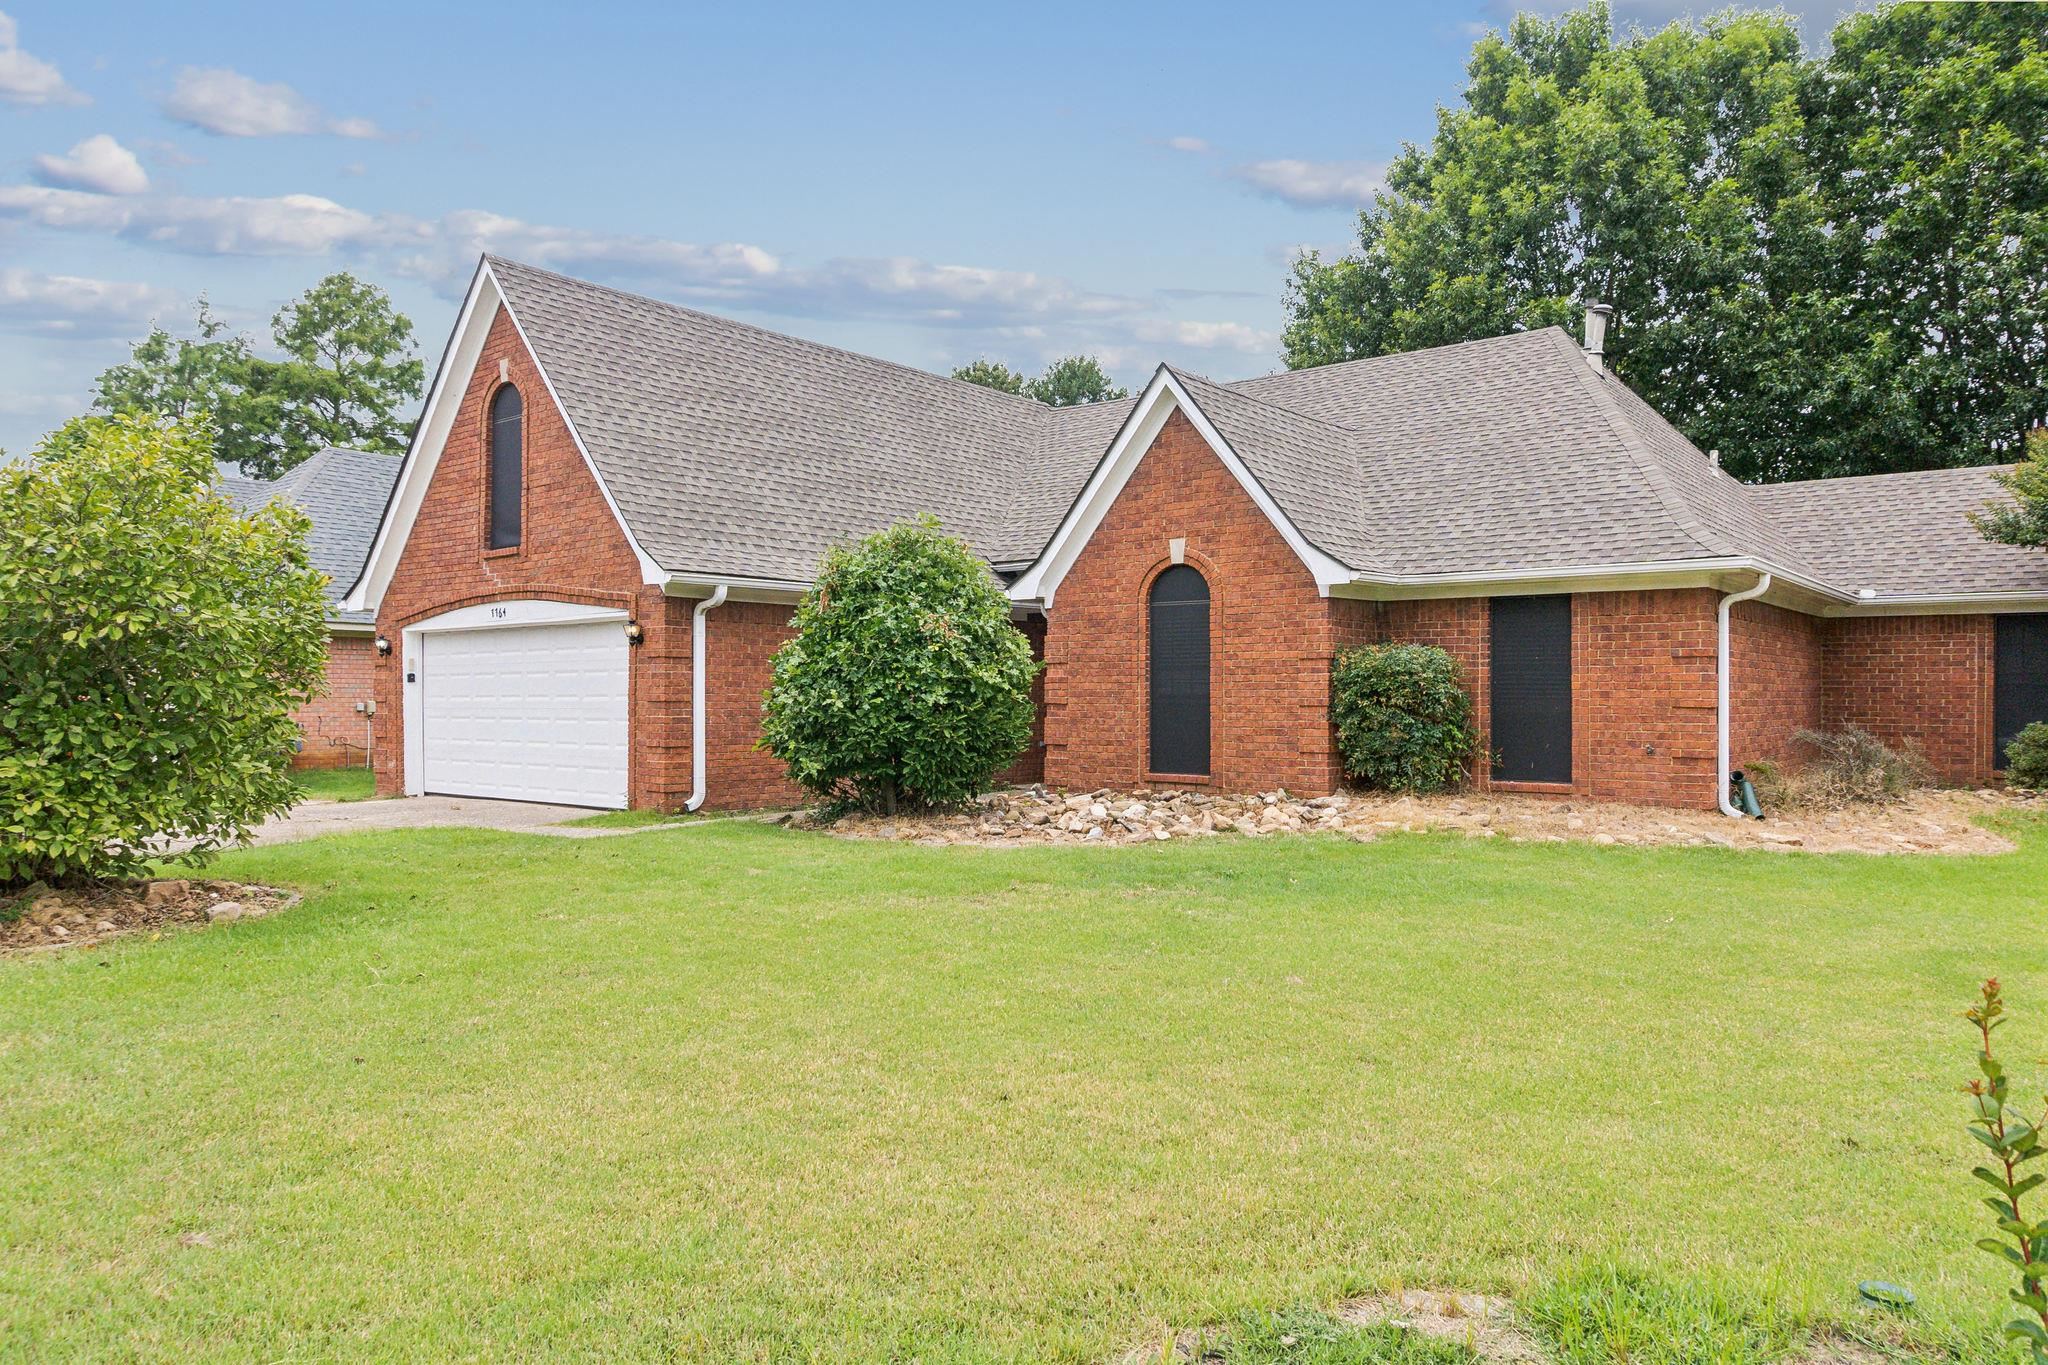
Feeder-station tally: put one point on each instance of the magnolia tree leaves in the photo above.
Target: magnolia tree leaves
(154, 645)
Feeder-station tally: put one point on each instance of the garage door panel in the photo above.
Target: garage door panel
(528, 713)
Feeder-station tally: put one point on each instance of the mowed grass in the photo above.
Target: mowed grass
(738, 1093)
(336, 784)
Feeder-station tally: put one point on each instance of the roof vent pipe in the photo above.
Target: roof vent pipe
(1597, 315)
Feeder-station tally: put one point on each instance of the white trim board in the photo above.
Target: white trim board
(430, 438)
(1162, 397)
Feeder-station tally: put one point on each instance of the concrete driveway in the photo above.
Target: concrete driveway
(311, 819)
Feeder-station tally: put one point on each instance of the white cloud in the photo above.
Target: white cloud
(1315, 184)
(292, 224)
(1208, 336)
(1194, 145)
(1005, 311)
(72, 306)
(225, 102)
(30, 80)
(99, 164)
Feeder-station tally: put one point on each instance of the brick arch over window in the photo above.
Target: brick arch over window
(505, 440)
(1178, 690)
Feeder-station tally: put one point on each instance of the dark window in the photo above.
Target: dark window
(1180, 672)
(1532, 689)
(506, 420)
(2020, 693)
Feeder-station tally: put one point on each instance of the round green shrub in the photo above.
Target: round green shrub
(1403, 722)
(906, 681)
(154, 645)
(2026, 758)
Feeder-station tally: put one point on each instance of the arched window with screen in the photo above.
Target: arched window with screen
(507, 455)
(1179, 685)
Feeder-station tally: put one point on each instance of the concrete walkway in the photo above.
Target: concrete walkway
(311, 819)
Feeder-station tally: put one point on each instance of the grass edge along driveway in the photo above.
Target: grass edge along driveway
(744, 1093)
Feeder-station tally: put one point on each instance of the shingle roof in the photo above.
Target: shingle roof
(1905, 534)
(731, 450)
(343, 492)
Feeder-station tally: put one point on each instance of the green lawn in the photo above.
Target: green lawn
(336, 784)
(742, 1093)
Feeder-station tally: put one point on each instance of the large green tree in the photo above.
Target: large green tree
(348, 370)
(991, 374)
(1821, 266)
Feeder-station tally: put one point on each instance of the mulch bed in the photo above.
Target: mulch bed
(41, 918)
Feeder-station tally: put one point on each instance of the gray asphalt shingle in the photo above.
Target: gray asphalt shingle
(736, 451)
(343, 492)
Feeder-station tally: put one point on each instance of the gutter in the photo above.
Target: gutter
(1721, 672)
(717, 598)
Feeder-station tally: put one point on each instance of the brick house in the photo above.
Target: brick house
(611, 504)
(343, 493)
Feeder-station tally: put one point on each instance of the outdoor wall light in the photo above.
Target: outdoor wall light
(383, 647)
(634, 635)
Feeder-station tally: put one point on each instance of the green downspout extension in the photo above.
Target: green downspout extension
(1743, 795)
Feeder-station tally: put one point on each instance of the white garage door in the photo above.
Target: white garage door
(527, 713)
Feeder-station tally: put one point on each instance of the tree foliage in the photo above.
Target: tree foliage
(1072, 381)
(1066, 383)
(1403, 721)
(348, 369)
(991, 374)
(2023, 521)
(154, 645)
(905, 681)
(1822, 265)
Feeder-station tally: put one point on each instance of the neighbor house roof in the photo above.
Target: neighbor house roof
(343, 492)
(731, 451)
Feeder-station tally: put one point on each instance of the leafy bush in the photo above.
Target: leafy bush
(2026, 758)
(1997, 1123)
(1403, 722)
(154, 644)
(906, 681)
(1839, 768)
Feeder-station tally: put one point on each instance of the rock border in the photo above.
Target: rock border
(1933, 821)
(54, 919)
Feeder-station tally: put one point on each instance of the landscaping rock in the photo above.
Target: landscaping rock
(165, 892)
(1928, 822)
(225, 912)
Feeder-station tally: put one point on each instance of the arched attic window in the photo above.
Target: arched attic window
(507, 456)
(1179, 684)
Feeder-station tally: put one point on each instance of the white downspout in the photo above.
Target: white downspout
(697, 696)
(1763, 585)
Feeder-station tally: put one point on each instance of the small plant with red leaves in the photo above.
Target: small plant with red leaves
(2013, 1143)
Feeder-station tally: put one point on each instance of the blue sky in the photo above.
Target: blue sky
(929, 183)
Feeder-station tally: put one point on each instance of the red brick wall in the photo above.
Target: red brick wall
(1775, 686)
(1270, 634)
(1642, 690)
(738, 659)
(572, 550)
(331, 731)
(1926, 680)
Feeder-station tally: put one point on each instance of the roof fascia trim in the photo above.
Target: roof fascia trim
(1162, 397)
(1580, 577)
